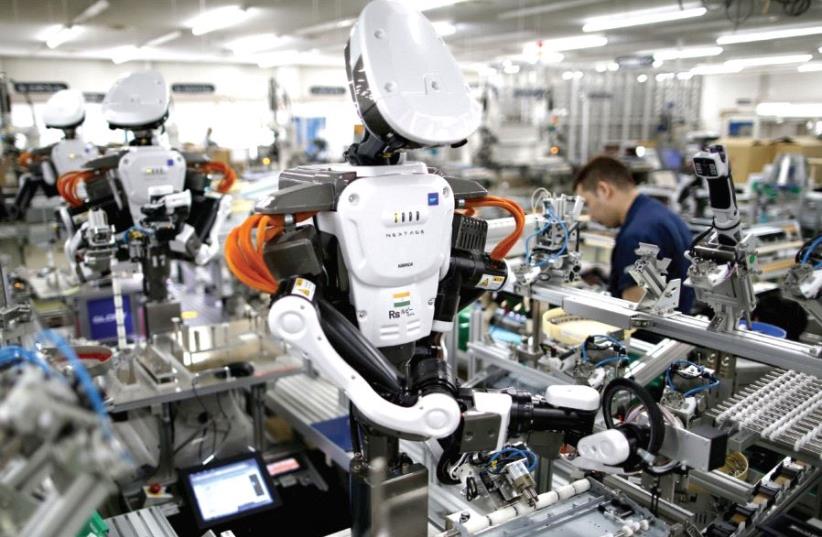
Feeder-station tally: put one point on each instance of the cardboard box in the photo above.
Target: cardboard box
(747, 156)
(808, 146)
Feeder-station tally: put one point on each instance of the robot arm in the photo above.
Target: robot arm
(722, 260)
(712, 166)
(295, 318)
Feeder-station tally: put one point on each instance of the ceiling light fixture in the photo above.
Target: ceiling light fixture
(254, 43)
(163, 39)
(715, 69)
(768, 60)
(124, 54)
(642, 17)
(687, 52)
(92, 11)
(54, 36)
(217, 19)
(810, 67)
(325, 27)
(768, 35)
(575, 42)
(642, 79)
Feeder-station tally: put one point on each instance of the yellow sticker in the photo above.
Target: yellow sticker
(304, 287)
(491, 282)
(189, 314)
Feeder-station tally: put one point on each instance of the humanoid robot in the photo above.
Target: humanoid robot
(145, 203)
(386, 257)
(65, 110)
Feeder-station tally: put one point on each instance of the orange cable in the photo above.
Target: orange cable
(245, 258)
(228, 173)
(504, 246)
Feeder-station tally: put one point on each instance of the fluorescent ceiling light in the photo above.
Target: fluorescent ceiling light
(217, 19)
(325, 27)
(613, 66)
(769, 60)
(124, 54)
(575, 42)
(767, 35)
(664, 76)
(163, 39)
(510, 69)
(54, 36)
(642, 79)
(687, 52)
(810, 67)
(715, 69)
(445, 28)
(684, 75)
(282, 58)
(641, 17)
(254, 43)
(92, 11)
(428, 5)
(779, 109)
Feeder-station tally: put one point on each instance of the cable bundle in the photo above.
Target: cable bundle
(67, 185)
(504, 246)
(244, 247)
(229, 176)
(245, 259)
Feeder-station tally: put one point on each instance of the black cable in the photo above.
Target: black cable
(354, 430)
(655, 419)
(699, 238)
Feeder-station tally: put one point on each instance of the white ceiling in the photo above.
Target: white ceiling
(486, 29)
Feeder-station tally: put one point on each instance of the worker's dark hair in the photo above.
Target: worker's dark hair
(606, 169)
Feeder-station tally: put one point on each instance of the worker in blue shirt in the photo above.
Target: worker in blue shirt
(612, 199)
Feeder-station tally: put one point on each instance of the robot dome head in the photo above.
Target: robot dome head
(66, 109)
(406, 85)
(137, 101)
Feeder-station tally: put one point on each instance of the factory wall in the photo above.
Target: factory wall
(238, 112)
(738, 94)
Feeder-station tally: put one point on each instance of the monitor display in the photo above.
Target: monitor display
(228, 490)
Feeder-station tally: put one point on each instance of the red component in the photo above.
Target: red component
(155, 488)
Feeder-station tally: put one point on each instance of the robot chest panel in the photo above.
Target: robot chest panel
(145, 168)
(395, 236)
(70, 155)
(395, 229)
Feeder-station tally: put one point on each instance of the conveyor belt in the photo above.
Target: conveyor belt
(143, 522)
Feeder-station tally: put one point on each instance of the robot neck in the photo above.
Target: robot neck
(143, 137)
(69, 134)
(371, 151)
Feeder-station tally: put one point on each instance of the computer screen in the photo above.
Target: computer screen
(229, 490)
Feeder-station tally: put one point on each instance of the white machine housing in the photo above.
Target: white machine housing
(143, 169)
(137, 100)
(410, 75)
(66, 156)
(65, 109)
(394, 229)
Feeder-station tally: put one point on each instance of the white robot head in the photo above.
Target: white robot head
(137, 101)
(407, 86)
(66, 109)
